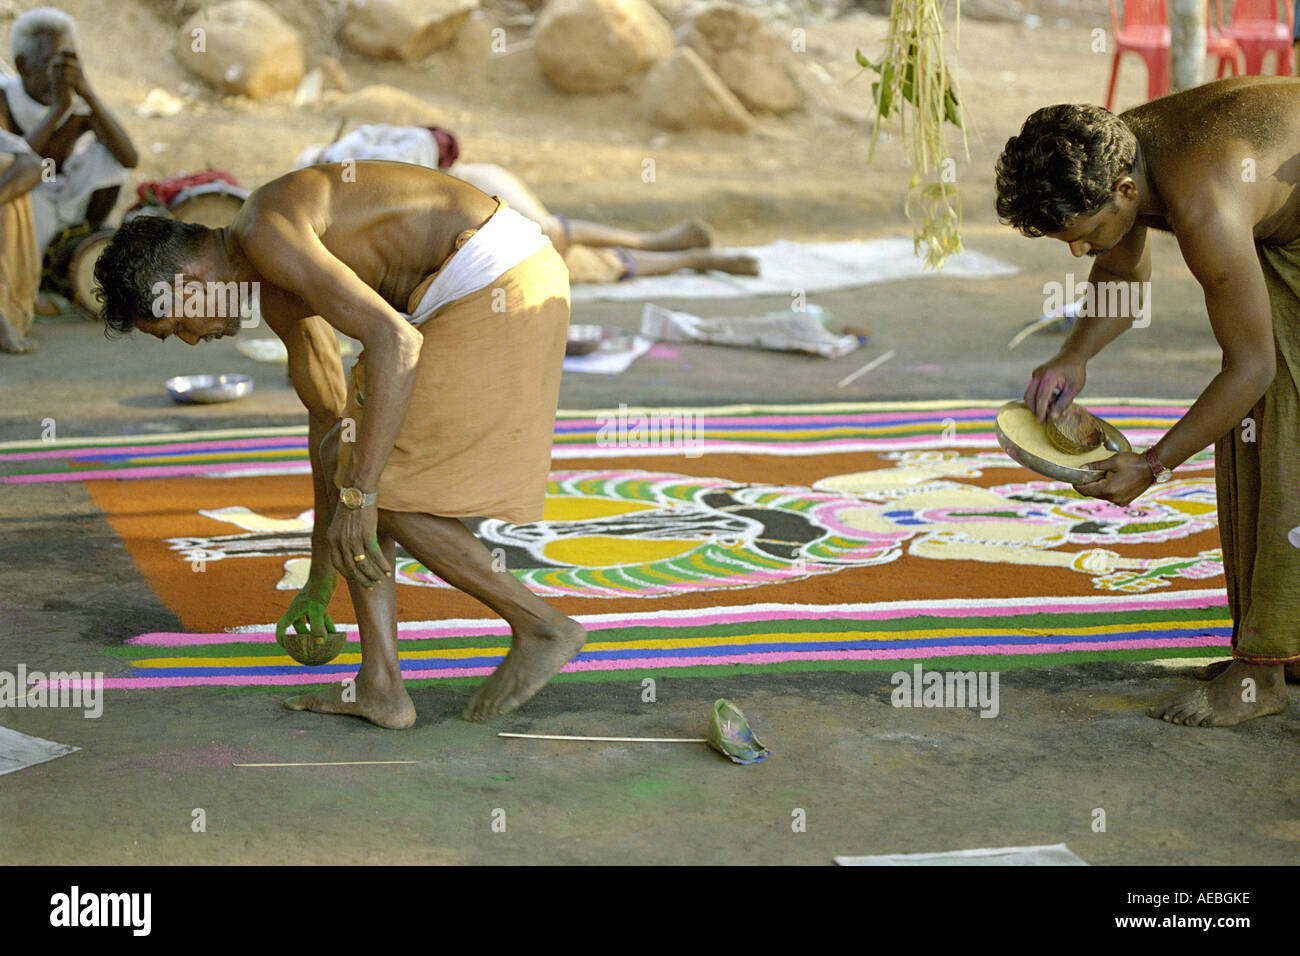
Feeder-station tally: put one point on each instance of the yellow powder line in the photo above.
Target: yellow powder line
(453, 653)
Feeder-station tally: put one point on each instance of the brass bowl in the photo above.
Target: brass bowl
(1055, 469)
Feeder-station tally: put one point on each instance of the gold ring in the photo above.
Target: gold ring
(359, 557)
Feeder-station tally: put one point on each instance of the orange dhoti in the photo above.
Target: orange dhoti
(476, 439)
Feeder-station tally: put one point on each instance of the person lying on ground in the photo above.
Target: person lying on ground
(1216, 166)
(462, 306)
(593, 252)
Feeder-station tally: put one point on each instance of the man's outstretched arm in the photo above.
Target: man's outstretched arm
(1220, 251)
(104, 125)
(1056, 382)
(316, 372)
(21, 169)
(1219, 248)
(290, 255)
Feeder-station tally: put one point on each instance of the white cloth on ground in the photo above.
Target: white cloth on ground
(398, 144)
(62, 201)
(505, 240)
(414, 144)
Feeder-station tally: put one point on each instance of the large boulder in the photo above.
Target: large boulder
(753, 60)
(388, 104)
(404, 29)
(682, 92)
(242, 46)
(592, 46)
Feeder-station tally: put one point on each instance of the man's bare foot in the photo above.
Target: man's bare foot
(11, 341)
(722, 262)
(1211, 671)
(535, 657)
(691, 234)
(1240, 691)
(385, 703)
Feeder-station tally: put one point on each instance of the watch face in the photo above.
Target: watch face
(351, 497)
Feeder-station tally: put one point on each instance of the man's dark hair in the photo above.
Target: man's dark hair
(145, 251)
(1064, 164)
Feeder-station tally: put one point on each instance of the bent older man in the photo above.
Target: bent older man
(462, 306)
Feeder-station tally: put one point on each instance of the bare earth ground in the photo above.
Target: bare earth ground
(869, 777)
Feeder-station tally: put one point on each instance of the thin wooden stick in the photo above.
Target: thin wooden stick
(877, 361)
(623, 740)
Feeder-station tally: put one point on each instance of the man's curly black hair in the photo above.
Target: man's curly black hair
(145, 251)
(1064, 164)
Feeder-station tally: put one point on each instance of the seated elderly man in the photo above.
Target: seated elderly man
(20, 263)
(51, 105)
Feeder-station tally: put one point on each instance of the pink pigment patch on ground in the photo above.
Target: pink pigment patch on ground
(664, 352)
(217, 755)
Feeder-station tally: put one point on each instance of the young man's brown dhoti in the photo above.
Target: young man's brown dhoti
(476, 440)
(1259, 489)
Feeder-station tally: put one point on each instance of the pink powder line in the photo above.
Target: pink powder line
(809, 446)
(854, 418)
(162, 471)
(709, 616)
(660, 663)
(560, 452)
(89, 451)
(848, 418)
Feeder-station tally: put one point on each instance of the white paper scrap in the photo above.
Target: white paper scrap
(1055, 855)
(19, 751)
(609, 363)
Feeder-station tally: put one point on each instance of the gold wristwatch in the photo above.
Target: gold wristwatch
(1158, 471)
(355, 499)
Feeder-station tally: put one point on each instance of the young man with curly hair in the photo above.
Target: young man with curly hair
(1216, 166)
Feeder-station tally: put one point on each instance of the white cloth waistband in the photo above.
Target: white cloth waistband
(505, 240)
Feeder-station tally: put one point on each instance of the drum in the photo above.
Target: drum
(214, 205)
(81, 269)
(152, 209)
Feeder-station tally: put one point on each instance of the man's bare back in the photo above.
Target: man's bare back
(1234, 141)
(390, 223)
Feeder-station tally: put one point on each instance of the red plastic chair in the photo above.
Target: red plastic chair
(1257, 30)
(1146, 33)
(1217, 43)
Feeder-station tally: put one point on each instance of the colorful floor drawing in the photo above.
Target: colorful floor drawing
(802, 537)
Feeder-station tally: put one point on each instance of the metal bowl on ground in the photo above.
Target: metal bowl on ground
(208, 389)
(585, 339)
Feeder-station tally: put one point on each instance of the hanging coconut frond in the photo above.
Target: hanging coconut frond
(916, 82)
